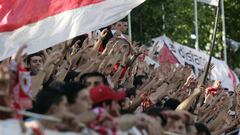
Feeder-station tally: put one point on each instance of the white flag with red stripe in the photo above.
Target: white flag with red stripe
(44, 23)
(210, 2)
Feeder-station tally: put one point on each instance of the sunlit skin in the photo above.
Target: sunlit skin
(118, 26)
(124, 27)
(83, 102)
(36, 62)
(93, 81)
(178, 127)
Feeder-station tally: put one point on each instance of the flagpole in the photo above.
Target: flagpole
(196, 25)
(129, 27)
(210, 57)
(213, 42)
(224, 31)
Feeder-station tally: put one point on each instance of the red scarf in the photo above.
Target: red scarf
(22, 92)
(103, 130)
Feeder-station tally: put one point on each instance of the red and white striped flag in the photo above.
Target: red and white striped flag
(44, 23)
(210, 2)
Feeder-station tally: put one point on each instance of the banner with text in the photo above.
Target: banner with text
(197, 59)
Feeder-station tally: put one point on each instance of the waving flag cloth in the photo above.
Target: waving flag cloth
(210, 2)
(197, 59)
(167, 55)
(44, 23)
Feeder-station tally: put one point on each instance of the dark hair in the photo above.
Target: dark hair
(46, 98)
(32, 55)
(201, 128)
(71, 90)
(70, 76)
(131, 92)
(93, 74)
(80, 38)
(120, 21)
(171, 104)
(156, 112)
(138, 80)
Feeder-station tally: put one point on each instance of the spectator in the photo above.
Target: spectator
(124, 26)
(35, 62)
(107, 98)
(93, 79)
(78, 98)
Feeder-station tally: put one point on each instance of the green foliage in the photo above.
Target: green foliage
(147, 23)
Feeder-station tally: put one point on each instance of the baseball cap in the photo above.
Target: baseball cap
(102, 93)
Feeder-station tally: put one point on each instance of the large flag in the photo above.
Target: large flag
(197, 59)
(210, 2)
(167, 55)
(44, 23)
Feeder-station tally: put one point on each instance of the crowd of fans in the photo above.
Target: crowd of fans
(101, 85)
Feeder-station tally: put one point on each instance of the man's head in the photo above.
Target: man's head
(156, 113)
(104, 96)
(202, 129)
(179, 122)
(118, 26)
(139, 80)
(51, 101)
(131, 93)
(177, 126)
(78, 97)
(171, 104)
(93, 79)
(35, 62)
(124, 26)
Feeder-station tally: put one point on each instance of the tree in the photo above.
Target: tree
(148, 21)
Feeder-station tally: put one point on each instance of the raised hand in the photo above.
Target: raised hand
(19, 55)
(198, 90)
(189, 80)
(75, 47)
(103, 34)
(52, 59)
(85, 43)
(109, 47)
